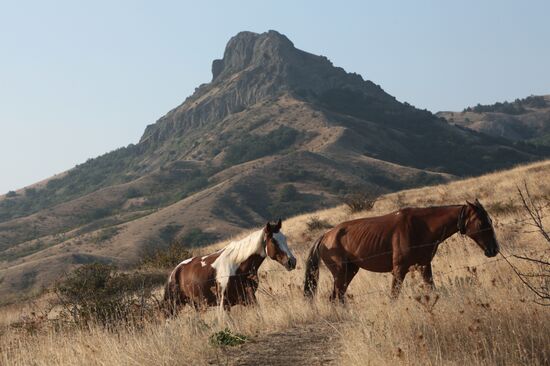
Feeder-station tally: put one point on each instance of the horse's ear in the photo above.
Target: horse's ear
(279, 224)
(267, 228)
(477, 203)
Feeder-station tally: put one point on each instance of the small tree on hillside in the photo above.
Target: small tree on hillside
(538, 279)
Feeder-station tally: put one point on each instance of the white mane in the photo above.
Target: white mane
(234, 254)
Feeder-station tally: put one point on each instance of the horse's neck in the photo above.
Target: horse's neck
(443, 221)
(245, 251)
(252, 264)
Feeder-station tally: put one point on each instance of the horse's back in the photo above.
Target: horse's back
(367, 241)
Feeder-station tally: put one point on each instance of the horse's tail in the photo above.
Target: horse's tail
(172, 299)
(312, 269)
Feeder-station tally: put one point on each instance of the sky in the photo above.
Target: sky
(79, 79)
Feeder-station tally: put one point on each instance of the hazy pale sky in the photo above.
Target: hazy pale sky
(80, 79)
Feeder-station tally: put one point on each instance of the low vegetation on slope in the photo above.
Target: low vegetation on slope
(480, 313)
(524, 121)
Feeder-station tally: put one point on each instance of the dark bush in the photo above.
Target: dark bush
(315, 223)
(30, 192)
(11, 194)
(516, 107)
(288, 193)
(197, 238)
(133, 193)
(169, 232)
(357, 202)
(106, 234)
(167, 257)
(252, 147)
(98, 293)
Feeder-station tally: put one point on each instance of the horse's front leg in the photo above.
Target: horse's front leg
(399, 273)
(342, 279)
(250, 293)
(427, 276)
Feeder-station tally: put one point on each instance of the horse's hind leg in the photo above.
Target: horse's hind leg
(342, 278)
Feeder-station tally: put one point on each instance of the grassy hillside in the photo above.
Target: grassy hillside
(480, 314)
(524, 120)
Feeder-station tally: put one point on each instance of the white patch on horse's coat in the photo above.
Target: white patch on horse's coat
(234, 254)
(203, 263)
(188, 260)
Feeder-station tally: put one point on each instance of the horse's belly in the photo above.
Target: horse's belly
(379, 265)
(376, 258)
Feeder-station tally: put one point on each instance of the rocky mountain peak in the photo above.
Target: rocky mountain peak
(251, 49)
(258, 67)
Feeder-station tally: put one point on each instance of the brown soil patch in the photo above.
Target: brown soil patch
(310, 344)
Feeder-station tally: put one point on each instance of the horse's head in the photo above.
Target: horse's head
(276, 246)
(476, 224)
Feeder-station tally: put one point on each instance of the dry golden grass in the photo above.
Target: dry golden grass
(480, 314)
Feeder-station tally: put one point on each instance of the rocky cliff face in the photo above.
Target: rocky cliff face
(256, 67)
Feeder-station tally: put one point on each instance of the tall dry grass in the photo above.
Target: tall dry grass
(480, 314)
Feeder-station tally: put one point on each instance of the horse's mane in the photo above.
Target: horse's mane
(240, 250)
(235, 253)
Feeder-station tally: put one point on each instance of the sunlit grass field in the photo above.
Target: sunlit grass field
(479, 314)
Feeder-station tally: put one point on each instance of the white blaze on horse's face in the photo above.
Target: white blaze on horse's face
(278, 250)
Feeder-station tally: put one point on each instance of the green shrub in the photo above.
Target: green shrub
(227, 338)
(11, 194)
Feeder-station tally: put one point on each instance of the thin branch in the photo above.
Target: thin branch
(532, 260)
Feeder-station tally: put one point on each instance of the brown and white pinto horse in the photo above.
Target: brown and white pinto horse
(229, 276)
(395, 242)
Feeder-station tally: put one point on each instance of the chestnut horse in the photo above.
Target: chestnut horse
(395, 242)
(228, 276)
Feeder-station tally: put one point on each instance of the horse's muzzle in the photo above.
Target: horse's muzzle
(291, 264)
(491, 252)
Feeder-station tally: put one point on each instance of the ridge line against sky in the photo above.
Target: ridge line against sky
(78, 80)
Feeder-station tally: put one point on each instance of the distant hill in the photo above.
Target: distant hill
(278, 131)
(525, 119)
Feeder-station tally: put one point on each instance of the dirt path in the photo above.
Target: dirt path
(311, 344)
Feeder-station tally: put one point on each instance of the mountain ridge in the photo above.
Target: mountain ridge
(526, 119)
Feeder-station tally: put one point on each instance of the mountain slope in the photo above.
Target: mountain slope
(278, 131)
(525, 119)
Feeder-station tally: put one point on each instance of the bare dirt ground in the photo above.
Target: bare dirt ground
(310, 344)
